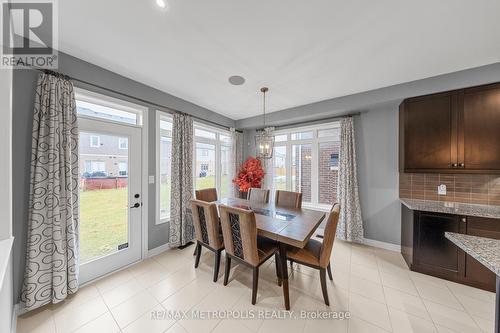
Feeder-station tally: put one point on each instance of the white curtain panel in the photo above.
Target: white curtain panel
(182, 180)
(350, 225)
(237, 159)
(51, 271)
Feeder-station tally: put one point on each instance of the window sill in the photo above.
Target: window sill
(5, 248)
(320, 207)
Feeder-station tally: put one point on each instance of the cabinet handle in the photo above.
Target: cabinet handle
(461, 165)
(454, 165)
(464, 219)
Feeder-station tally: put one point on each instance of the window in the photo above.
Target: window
(123, 143)
(95, 166)
(213, 159)
(95, 141)
(122, 169)
(306, 160)
(93, 105)
(163, 166)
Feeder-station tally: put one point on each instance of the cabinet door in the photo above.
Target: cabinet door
(475, 272)
(430, 137)
(480, 128)
(436, 254)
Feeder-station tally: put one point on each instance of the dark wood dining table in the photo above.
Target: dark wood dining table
(287, 226)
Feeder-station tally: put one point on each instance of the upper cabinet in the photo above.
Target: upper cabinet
(456, 131)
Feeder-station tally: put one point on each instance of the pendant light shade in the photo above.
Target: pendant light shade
(264, 140)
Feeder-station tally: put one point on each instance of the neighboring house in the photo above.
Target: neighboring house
(205, 160)
(103, 155)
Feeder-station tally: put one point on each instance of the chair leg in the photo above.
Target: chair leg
(329, 269)
(217, 265)
(322, 276)
(255, 284)
(198, 254)
(278, 269)
(227, 269)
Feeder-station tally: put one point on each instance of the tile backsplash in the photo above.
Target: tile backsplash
(477, 189)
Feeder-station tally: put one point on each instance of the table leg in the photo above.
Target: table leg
(497, 311)
(284, 277)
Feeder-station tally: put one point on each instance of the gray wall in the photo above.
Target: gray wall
(377, 139)
(24, 82)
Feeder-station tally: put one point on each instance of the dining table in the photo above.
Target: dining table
(287, 226)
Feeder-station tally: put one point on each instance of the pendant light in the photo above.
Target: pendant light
(264, 140)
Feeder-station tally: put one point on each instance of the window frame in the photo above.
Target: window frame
(314, 142)
(218, 143)
(160, 116)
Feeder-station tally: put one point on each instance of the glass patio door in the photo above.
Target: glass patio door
(110, 197)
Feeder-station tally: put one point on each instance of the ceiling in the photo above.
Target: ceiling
(304, 51)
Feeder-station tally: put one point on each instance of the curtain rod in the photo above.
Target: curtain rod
(170, 110)
(315, 121)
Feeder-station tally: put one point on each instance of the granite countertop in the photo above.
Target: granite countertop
(484, 250)
(453, 208)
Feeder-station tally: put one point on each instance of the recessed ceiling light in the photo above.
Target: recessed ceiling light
(236, 80)
(161, 3)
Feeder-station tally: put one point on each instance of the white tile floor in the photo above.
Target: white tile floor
(374, 285)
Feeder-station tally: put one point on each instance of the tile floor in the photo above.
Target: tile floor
(374, 285)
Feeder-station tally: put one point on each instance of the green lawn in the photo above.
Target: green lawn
(103, 222)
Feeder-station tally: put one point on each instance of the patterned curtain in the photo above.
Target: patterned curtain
(237, 159)
(350, 225)
(182, 180)
(52, 259)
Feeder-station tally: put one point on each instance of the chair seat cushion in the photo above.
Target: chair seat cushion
(308, 255)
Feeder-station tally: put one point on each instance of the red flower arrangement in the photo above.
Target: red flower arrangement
(250, 175)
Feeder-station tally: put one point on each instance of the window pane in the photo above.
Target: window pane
(302, 135)
(279, 168)
(103, 197)
(301, 170)
(204, 134)
(103, 112)
(225, 172)
(165, 174)
(330, 132)
(224, 138)
(205, 166)
(328, 172)
(166, 125)
(280, 138)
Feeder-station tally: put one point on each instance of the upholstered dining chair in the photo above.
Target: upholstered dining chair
(243, 245)
(258, 195)
(208, 194)
(288, 199)
(208, 231)
(317, 254)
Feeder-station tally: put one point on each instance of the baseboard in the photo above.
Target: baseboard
(158, 250)
(382, 245)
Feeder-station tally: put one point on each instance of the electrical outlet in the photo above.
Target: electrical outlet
(442, 189)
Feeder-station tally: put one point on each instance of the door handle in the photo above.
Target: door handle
(136, 205)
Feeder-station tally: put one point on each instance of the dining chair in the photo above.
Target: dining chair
(208, 195)
(288, 199)
(258, 195)
(317, 254)
(208, 231)
(243, 245)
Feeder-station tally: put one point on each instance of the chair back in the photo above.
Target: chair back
(240, 233)
(258, 195)
(329, 236)
(208, 195)
(206, 223)
(288, 199)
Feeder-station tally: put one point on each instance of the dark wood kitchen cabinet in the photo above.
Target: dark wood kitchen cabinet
(426, 250)
(456, 131)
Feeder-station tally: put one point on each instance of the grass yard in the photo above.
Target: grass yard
(103, 222)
